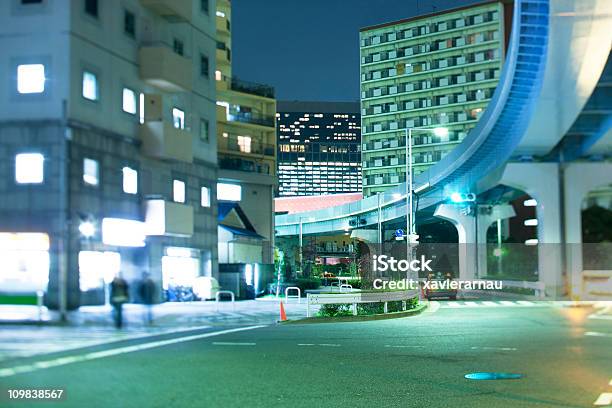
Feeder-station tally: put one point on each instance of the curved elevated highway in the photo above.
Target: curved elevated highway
(558, 50)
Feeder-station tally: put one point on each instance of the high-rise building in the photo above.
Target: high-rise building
(246, 137)
(107, 164)
(318, 148)
(437, 70)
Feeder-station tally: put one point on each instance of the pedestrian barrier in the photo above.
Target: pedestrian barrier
(225, 292)
(298, 296)
(346, 286)
(353, 298)
(39, 303)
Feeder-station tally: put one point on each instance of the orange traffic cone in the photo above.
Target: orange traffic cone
(283, 315)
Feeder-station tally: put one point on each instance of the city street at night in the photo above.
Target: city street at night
(563, 355)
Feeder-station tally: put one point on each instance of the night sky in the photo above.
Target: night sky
(309, 49)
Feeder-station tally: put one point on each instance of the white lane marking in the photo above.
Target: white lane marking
(494, 348)
(507, 303)
(471, 304)
(525, 303)
(8, 372)
(489, 303)
(305, 344)
(605, 399)
(452, 304)
(601, 314)
(228, 343)
(400, 346)
(597, 334)
(329, 345)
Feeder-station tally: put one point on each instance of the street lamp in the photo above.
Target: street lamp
(439, 131)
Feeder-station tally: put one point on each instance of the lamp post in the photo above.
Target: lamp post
(410, 225)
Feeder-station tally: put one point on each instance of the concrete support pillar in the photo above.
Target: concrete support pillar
(541, 182)
(486, 215)
(580, 179)
(466, 229)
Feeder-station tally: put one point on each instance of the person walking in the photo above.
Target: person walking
(147, 295)
(118, 296)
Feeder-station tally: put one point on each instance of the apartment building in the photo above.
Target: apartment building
(436, 70)
(107, 161)
(246, 140)
(318, 148)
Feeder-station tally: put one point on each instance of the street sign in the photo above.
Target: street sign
(399, 233)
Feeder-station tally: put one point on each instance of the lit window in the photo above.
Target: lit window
(91, 172)
(218, 75)
(141, 113)
(205, 197)
(220, 14)
(178, 191)
(178, 118)
(244, 143)
(90, 86)
(229, 192)
(129, 101)
(130, 180)
(30, 78)
(29, 168)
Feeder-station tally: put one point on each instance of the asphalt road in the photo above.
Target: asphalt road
(566, 360)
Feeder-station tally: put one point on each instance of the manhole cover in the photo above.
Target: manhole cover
(493, 376)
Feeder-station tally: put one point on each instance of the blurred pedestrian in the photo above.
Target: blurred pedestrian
(147, 294)
(118, 296)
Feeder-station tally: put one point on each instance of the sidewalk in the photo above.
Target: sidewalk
(22, 335)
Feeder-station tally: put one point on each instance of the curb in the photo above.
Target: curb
(363, 318)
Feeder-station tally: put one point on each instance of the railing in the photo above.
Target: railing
(252, 88)
(298, 296)
(247, 117)
(353, 298)
(225, 292)
(243, 165)
(255, 147)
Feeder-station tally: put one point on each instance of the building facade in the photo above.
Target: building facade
(246, 139)
(318, 148)
(438, 70)
(107, 162)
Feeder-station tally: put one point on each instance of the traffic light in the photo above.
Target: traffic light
(463, 197)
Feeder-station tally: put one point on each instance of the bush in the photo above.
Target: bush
(307, 284)
(334, 310)
(355, 283)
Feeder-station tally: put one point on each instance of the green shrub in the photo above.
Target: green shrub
(355, 283)
(334, 310)
(307, 284)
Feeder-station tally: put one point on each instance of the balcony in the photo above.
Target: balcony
(173, 10)
(167, 218)
(163, 141)
(163, 68)
(241, 144)
(249, 166)
(252, 118)
(224, 55)
(252, 88)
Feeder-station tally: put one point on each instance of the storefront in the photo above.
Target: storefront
(25, 262)
(180, 268)
(97, 269)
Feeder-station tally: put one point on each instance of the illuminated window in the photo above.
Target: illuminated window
(141, 112)
(130, 180)
(205, 197)
(29, 168)
(218, 75)
(129, 101)
(90, 86)
(91, 172)
(229, 192)
(178, 118)
(244, 143)
(30, 78)
(178, 191)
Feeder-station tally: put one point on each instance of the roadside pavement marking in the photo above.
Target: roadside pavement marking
(507, 303)
(453, 304)
(597, 334)
(601, 314)
(494, 348)
(525, 303)
(8, 372)
(605, 399)
(227, 343)
(329, 345)
(306, 344)
(489, 303)
(400, 346)
(470, 304)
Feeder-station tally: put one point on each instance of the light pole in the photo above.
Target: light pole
(410, 225)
